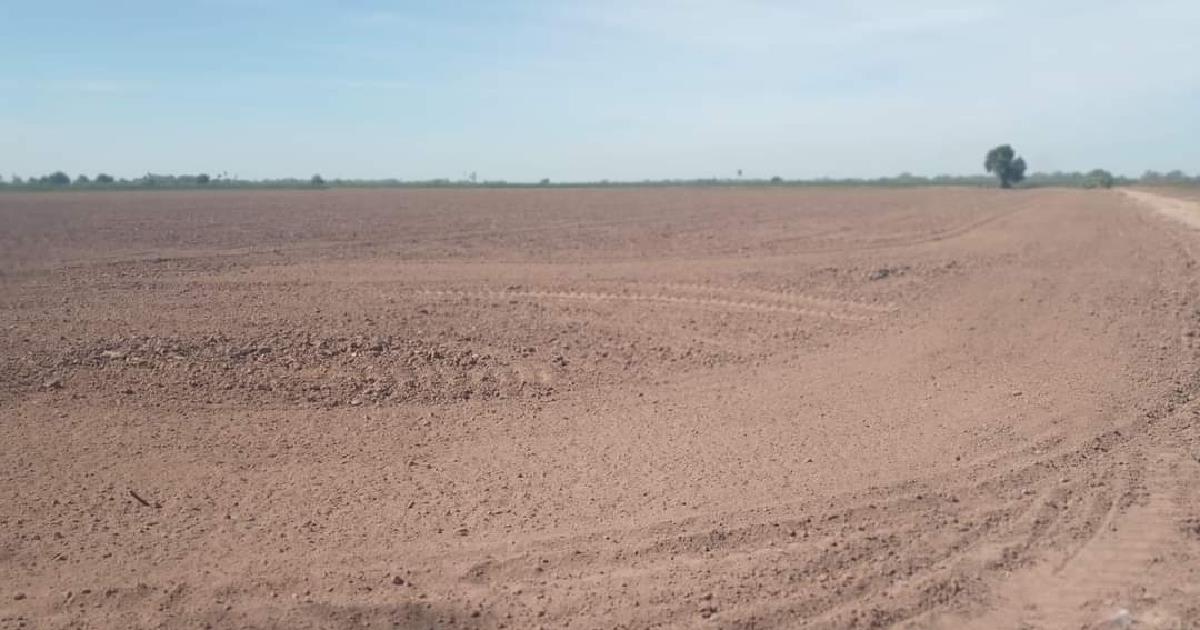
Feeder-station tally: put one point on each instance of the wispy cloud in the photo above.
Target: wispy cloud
(395, 20)
(758, 26)
(919, 22)
(376, 18)
(367, 84)
(94, 86)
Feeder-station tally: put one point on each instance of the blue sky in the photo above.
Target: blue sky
(624, 89)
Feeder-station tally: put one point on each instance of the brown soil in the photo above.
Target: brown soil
(598, 408)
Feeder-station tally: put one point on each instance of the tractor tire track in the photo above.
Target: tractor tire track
(789, 305)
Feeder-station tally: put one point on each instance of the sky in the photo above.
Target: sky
(587, 90)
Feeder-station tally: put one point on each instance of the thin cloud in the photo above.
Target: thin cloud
(758, 26)
(929, 20)
(94, 86)
(376, 18)
(369, 84)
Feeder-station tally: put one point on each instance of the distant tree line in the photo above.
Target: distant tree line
(1098, 178)
(61, 180)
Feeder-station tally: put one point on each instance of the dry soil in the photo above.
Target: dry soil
(725, 408)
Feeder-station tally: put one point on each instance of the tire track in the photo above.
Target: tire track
(823, 246)
(833, 310)
(788, 297)
(917, 541)
(1084, 518)
(1098, 583)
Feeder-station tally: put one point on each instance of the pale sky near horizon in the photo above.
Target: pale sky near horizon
(621, 90)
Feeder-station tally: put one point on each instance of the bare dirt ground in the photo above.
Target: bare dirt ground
(718, 408)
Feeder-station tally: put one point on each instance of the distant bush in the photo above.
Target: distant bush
(1172, 178)
(1099, 178)
(57, 178)
(317, 180)
(104, 178)
(203, 179)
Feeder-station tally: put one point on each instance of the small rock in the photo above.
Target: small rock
(462, 531)
(19, 596)
(54, 382)
(398, 581)
(1017, 392)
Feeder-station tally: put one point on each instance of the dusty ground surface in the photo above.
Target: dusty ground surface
(596, 409)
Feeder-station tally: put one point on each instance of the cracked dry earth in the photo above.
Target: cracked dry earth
(725, 408)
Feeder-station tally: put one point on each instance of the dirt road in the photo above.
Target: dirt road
(721, 408)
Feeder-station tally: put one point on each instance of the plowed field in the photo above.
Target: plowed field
(726, 408)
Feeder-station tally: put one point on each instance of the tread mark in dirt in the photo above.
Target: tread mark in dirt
(1095, 582)
(786, 296)
(834, 310)
(830, 245)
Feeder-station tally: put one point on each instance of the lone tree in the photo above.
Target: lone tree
(1000, 161)
(104, 178)
(203, 179)
(317, 180)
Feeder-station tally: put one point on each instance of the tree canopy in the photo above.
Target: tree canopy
(58, 178)
(1003, 162)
